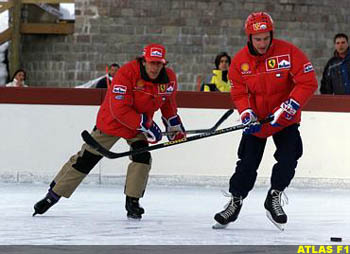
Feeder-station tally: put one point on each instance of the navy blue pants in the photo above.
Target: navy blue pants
(289, 149)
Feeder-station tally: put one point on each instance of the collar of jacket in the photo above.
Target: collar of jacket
(222, 75)
(161, 79)
(258, 57)
(346, 56)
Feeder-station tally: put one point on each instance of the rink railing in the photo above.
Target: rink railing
(41, 129)
(185, 99)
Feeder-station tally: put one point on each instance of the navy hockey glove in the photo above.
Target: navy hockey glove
(151, 131)
(249, 119)
(174, 125)
(283, 114)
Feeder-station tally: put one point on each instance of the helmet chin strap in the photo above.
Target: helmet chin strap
(251, 48)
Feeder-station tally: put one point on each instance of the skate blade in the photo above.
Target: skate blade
(217, 225)
(133, 218)
(277, 225)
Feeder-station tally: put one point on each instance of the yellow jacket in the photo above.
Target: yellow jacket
(220, 85)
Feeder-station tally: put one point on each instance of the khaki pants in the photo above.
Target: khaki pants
(69, 177)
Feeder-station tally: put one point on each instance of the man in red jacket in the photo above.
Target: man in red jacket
(140, 88)
(268, 77)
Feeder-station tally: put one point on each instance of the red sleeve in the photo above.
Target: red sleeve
(239, 90)
(303, 76)
(121, 98)
(169, 108)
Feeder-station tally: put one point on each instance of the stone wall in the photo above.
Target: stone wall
(193, 32)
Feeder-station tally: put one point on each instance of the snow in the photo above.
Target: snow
(175, 215)
(68, 11)
(3, 21)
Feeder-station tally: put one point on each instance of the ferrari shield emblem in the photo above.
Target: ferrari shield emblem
(162, 88)
(272, 63)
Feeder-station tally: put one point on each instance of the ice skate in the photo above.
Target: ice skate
(43, 205)
(273, 205)
(133, 208)
(229, 214)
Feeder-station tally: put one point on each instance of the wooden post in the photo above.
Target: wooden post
(16, 36)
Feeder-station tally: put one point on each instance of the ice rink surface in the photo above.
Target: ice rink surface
(95, 215)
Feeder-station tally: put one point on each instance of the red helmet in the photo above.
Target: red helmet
(258, 22)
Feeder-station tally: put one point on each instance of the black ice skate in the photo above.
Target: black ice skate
(43, 205)
(229, 214)
(133, 208)
(273, 205)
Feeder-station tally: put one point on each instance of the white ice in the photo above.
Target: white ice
(95, 215)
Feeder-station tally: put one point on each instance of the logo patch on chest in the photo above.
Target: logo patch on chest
(162, 88)
(272, 63)
(120, 89)
(245, 69)
(278, 62)
(166, 88)
(140, 85)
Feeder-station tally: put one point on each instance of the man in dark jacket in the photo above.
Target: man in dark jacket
(103, 82)
(336, 74)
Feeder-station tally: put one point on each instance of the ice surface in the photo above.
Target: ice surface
(174, 216)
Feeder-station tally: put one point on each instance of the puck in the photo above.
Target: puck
(336, 239)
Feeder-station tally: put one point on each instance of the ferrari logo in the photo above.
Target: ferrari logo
(272, 63)
(162, 88)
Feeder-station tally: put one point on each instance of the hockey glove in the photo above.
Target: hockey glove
(250, 120)
(174, 125)
(283, 114)
(150, 130)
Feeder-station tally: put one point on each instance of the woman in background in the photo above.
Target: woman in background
(218, 79)
(18, 79)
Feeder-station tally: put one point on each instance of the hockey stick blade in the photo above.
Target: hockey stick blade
(111, 155)
(217, 124)
(222, 119)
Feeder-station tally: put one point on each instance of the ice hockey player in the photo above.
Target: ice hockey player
(141, 87)
(269, 77)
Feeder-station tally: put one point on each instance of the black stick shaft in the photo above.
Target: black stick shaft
(217, 124)
(105, 152)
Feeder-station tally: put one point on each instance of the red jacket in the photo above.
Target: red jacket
(132, 94)
(262, 83)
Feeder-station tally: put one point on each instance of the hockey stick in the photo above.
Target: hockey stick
(107, 76)
(111, 155)
(220, 121)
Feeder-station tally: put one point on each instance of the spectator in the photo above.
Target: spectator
(218, 80)
(18, 79)
(112, 70)
(336, 74)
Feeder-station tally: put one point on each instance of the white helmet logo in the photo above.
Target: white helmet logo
(156, 52)
(259, 26)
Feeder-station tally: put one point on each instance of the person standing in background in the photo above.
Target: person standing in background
(336, 74)
(112, 70)
(218, 81)
(18, 79)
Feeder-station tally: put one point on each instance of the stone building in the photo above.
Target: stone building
(193, 31)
